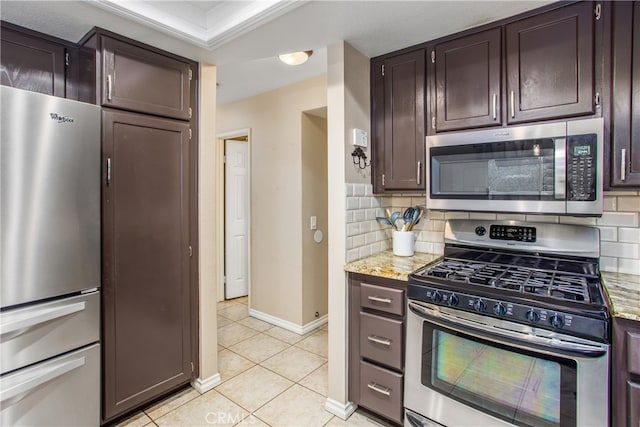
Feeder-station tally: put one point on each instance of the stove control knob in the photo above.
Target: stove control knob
(436, 297)
(499, 309)
(479, 305)
(480, 230)
(557, 320)
(453, 300)
(533, 316)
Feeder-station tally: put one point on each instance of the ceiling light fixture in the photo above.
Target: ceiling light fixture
(295, 58)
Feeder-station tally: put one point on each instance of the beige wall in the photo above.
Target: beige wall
(358, 111)
(208, 353)
(348, 107)
(276, 191)
(314, 202)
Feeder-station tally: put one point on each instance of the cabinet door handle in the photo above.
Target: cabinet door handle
(109, 87)
(512, 102)
(108, 171)
(623, 164)
(379, 299)
(379, 340)
(380, 389)
(495, 106)
(419, 174)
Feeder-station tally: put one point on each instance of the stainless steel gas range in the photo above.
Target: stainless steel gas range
(510, 327)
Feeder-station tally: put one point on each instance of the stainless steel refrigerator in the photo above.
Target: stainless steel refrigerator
(49, 260)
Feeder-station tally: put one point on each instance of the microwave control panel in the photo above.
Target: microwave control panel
(581, 168)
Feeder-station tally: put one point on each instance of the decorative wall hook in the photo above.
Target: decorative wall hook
(359, 158)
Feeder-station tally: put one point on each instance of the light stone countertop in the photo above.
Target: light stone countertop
(623, 290)
(624, 294)
(386, 264)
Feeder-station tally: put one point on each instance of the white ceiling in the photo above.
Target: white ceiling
(243, 38)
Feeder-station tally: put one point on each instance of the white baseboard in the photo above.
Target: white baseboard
(289, 326)
(204, 385)
(340, 410)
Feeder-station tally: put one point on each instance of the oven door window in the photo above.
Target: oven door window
(522, 170)
(520, 387)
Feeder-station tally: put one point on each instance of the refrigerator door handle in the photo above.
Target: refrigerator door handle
(18, 391)
(34, 318)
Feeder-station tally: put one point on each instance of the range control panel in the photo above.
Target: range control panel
(515, 312)
(511, 232)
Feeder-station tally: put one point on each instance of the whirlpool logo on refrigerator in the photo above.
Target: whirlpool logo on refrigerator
(61, 119)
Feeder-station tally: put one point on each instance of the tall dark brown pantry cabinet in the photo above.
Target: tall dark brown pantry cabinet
(146, 260)
(398, 97)
(624, 148)
(149, 232)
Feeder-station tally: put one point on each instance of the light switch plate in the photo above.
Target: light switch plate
(360, 138)
(313, 223)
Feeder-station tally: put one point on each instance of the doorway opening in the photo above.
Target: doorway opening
(234, 150)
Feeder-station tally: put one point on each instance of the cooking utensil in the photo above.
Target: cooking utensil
(384, 221)
(407, 217)
(394, 218)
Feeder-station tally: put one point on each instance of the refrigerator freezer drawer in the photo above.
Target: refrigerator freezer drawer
(64, 391)
(41, 331)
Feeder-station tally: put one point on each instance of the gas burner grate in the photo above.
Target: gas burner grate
(518, 279)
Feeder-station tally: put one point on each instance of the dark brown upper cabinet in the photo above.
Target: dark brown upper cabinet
(467, 81)
(146, 289)
(398, 97)
(145, 81)
(31, 62)
(624, 146)
(550, 64)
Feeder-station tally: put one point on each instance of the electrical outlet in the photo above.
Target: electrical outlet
(360, 138)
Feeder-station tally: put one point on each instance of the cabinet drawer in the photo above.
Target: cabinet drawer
(381, 391)
(381, 340)
(389, 300)
(633, 352)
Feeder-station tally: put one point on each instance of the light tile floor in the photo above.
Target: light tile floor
(270, 377)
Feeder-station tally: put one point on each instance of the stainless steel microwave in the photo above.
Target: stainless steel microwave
(551, 168)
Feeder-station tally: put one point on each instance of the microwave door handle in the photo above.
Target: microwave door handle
(560, 167)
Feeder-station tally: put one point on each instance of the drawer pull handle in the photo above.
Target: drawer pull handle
(35, 318)
(383, 341)
(380, 389)
(17, 392)
(379, 299)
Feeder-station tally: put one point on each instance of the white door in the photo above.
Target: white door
(236, 218)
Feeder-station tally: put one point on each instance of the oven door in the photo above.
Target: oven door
(464, 369)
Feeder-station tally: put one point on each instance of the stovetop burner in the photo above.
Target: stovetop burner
(512, 278)
(551, 283)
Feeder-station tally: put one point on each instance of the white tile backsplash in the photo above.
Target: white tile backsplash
(619, 226)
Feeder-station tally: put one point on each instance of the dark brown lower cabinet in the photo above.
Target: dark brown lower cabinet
(146, 289)
(376, 344)
(625, 390)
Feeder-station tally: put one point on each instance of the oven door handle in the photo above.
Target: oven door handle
(505, 336)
